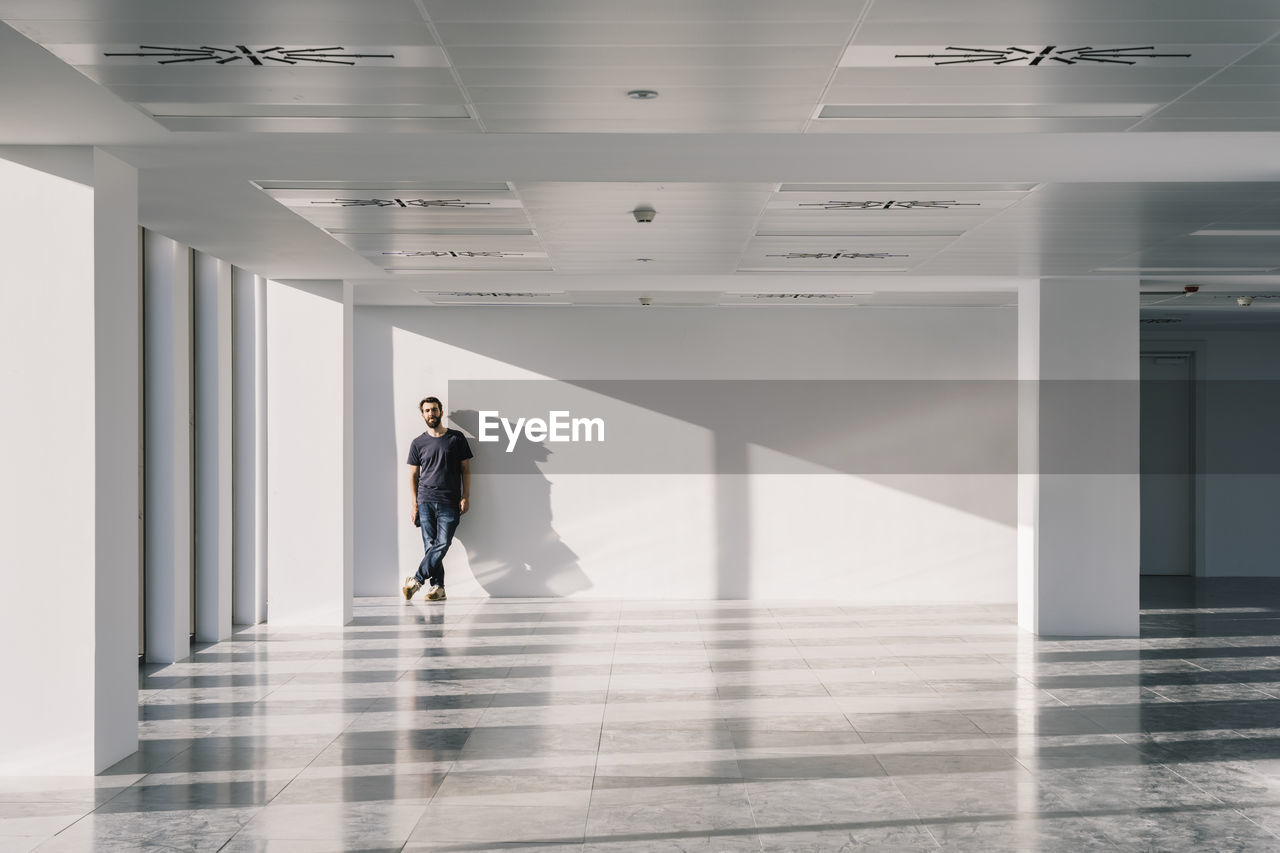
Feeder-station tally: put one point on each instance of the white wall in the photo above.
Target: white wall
(722, 528)
(1239, 381)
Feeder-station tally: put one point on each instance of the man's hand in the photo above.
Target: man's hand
(415, 515)
(463, 506)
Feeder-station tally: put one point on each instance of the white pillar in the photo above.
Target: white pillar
(117, 353)
(348, 448)
(212, 355)
(249, 333)
(69, 510)
(309, 577)
(1078, 505)
(167, 313)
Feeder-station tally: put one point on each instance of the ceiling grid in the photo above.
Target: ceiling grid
(874, 144)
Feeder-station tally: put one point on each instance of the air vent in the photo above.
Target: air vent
(834, 256)
(1048, 55)
(439, 232)
(443, 188)
(1021, 56)
(890, 204)
(405, 202)
(495, 297)
(241, 54)
(1159, 321)
(463, 254)
(812, 298)
(905, 189)
(845, 234)
(490, 294)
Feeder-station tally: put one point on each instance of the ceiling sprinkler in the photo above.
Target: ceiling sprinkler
(1190, 289)
(1244, 301)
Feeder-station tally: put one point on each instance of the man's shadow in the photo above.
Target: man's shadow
(510, 541)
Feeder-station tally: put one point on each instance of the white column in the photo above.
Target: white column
(348, 449)
(117, 350)
(249, 333)
(309, 578)
(167, 314)
(212, 355)
(1078, 505)
(69, 509)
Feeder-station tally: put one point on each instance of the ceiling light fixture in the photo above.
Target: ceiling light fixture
(1187, 270)
(1236, 232)
(983, 111)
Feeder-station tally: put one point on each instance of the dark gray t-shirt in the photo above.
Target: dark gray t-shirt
(439, 462)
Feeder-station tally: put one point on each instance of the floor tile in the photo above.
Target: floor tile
(563, 725)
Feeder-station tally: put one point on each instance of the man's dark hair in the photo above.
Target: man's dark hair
(426, 400)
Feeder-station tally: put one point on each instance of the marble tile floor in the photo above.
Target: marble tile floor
(563, 725)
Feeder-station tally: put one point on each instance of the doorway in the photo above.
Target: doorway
(1167, 467)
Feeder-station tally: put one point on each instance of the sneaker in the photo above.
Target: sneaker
(411, 586)
(436, 593)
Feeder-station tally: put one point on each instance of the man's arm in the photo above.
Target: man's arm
(413, 490)
(465, 504)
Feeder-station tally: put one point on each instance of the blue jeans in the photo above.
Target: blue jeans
(437, 520)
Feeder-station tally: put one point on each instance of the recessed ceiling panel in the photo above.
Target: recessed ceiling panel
(657, 10)
(893, 202)
(276, 67)
(400, 225)
(704, 34)
(1059, 55)
(984, 111)
(1016, 30)
(248, 54)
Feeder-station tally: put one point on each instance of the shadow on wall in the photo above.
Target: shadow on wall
(510, 537)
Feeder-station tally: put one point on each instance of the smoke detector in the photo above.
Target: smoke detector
(644, 213)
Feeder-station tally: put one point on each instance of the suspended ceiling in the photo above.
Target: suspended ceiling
(813, 145)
